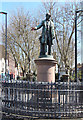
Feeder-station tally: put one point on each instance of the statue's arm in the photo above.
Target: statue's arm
(39, 26)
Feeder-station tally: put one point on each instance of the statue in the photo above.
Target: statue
(48, 34)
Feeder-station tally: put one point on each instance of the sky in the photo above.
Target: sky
(9, 7)
(31, 5)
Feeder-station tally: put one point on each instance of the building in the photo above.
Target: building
(2, 61)
(11, 68)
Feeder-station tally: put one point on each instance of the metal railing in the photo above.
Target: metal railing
(42, 100)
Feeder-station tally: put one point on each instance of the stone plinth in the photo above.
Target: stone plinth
(45, 69)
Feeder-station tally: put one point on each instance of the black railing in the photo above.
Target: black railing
(42, 100)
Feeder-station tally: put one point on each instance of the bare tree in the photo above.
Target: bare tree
(64, 19)
(21, 41)
(24, 43)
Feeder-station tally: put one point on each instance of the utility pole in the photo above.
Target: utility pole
(77, 11)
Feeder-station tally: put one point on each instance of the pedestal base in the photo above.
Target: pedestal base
(45, 69)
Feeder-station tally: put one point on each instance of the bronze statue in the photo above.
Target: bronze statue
(48, 34)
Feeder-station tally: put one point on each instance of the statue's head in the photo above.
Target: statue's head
(48, 15)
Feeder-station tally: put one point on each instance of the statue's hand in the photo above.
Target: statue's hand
(32, 29)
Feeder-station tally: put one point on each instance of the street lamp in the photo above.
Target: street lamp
(5, 41)
(77, 11)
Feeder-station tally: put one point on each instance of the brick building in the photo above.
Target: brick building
(11, 70)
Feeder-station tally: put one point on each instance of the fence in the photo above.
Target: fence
(42, 100)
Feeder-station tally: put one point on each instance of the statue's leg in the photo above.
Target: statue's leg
(41, 49)
(49, 49)
(45, 48)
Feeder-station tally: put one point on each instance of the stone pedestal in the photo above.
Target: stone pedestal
(45, 69)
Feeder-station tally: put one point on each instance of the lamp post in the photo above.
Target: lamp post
(5, 42)
(77, 11)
